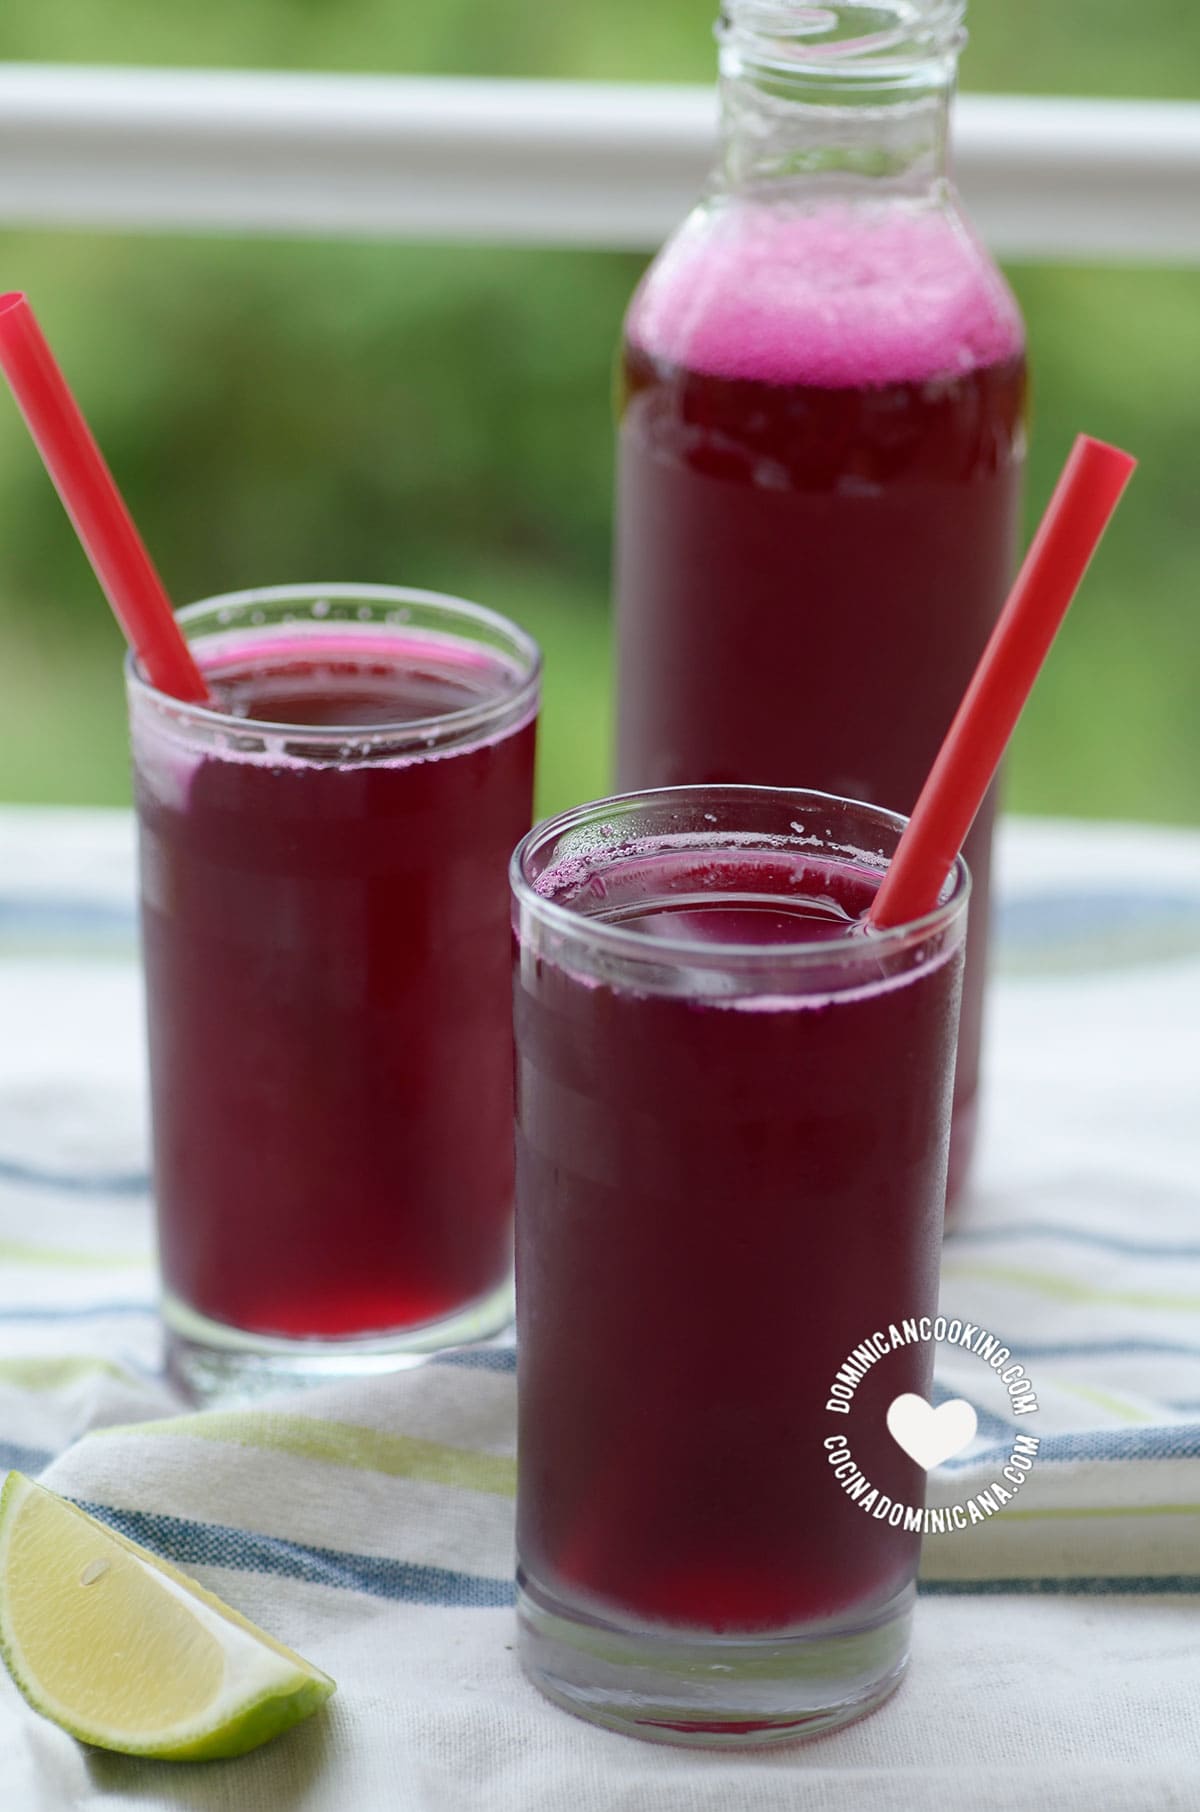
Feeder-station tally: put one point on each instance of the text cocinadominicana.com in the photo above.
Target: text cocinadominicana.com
(977, 1509)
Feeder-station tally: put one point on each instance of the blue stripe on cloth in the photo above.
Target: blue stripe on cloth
(93, 1311)
(1167, 1441)
(75, 1182)
(986, 1421)
(192, 1544)
(1143, 1584)
(1032, 920)
(1074, 1236)
(481, 1359)
(57, 914)
(1098, 1349)
(22, 1459)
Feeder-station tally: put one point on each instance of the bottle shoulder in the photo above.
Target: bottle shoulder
(836, 292)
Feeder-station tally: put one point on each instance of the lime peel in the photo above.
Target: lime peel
(124, 1651)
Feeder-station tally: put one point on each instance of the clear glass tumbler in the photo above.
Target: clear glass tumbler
(733, 1122)
(326, 947)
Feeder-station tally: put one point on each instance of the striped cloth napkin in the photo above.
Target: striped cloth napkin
(1057, 1652)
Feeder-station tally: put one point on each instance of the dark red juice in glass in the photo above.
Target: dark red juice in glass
(731, 1171)
(326, 954)
(820, 461)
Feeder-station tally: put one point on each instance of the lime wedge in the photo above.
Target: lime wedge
(125, 1652)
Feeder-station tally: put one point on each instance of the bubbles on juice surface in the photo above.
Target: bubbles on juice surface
(340, 682)
(739, 895)
(831, 296)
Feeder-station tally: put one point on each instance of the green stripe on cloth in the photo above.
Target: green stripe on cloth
(50, 1374)
(1105, 1399)
(339, 1444)
(1073, 1512)
(1069, 1289)
(13, 1252)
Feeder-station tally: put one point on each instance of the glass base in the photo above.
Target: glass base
(712, 1691)
(209, 1360)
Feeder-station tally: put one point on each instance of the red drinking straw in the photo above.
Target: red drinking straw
(95, 506)
(1078, 514)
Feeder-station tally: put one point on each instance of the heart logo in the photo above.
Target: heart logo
(928, 1435)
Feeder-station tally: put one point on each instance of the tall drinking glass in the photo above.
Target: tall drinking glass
(733, 1122)
(326, 946)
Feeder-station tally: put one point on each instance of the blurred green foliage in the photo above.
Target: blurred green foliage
(441, 415)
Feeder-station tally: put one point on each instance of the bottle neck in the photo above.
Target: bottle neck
(847, 95)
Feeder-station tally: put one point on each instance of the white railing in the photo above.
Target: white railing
(559, 163)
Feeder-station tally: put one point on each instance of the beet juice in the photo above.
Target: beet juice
(325, 930)
(733, 1119)
(821, 447)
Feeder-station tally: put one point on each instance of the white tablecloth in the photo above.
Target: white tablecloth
(1057, 1653)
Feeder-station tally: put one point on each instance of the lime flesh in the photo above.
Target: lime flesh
(125, 1652)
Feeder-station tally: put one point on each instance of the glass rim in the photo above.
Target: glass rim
(447, 726)
(618, 940)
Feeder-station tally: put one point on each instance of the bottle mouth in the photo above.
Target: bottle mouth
(865, 39)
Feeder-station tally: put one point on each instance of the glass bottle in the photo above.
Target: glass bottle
(821, 438)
